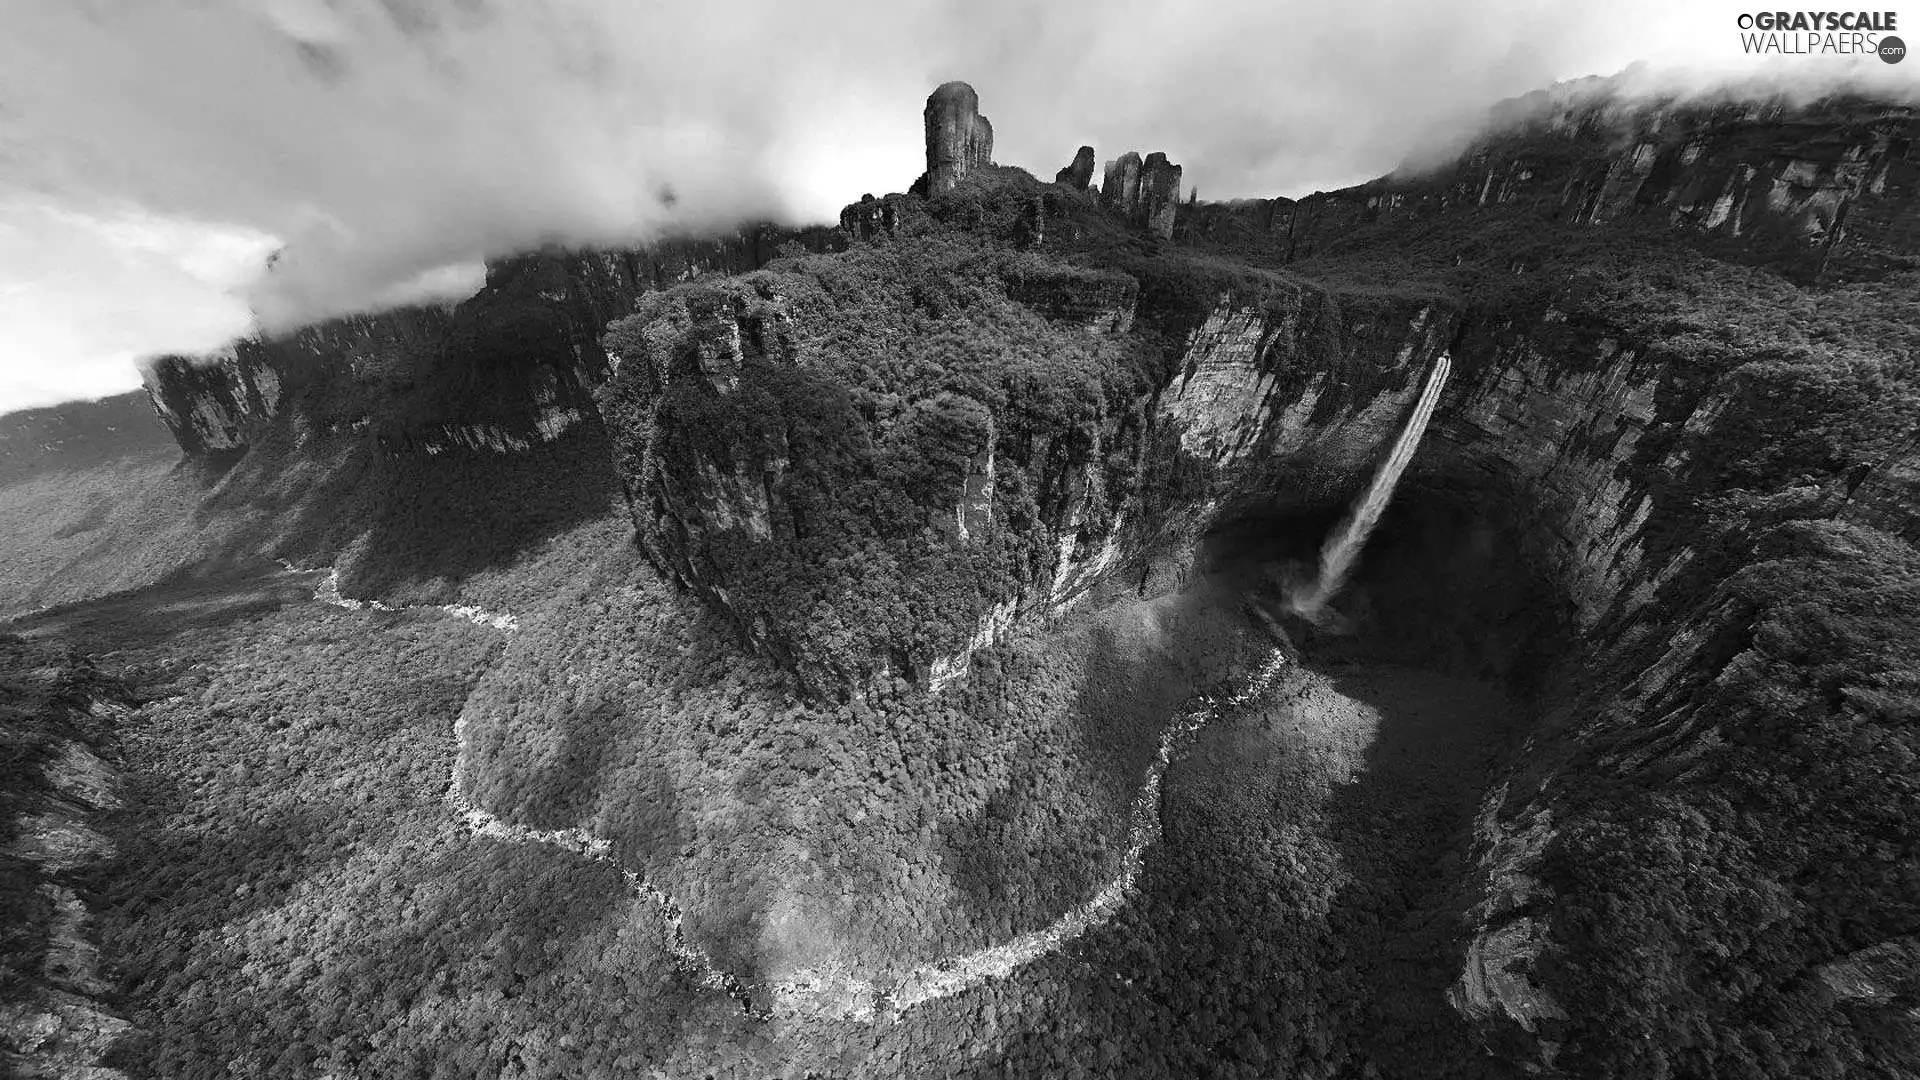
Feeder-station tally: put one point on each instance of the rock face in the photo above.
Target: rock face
(58, 722)
(1103, 302)
(214, 402)
(510, 367)
(1599, 433)
(1079, 174)
(1120, 183)
(1145, 193)
(871, 217)
(1823, 202)
(959, 139)
(746, 459)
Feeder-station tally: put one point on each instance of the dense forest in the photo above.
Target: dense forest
(853, 608)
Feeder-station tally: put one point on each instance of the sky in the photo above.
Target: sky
(155, 153)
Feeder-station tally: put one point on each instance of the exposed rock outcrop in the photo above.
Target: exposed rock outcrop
(1103, 302)
(1823, 202)
(214, 402)
(959, 139)
(1145, 193)
(744, 464)
(58, 719)
(1120, 183)
(1598, 433)
(508, 368)
(1079, 174)
(871, 217)
(879, 472)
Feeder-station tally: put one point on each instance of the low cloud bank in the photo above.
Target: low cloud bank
(386, 146)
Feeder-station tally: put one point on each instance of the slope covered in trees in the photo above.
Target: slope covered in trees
(1680, 768)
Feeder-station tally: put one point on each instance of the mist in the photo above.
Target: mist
(384, 147)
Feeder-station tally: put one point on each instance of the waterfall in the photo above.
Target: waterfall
(1343, 546)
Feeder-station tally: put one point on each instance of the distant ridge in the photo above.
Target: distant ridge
(80, 434)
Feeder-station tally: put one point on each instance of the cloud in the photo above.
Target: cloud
(83, 295)
(388, 144)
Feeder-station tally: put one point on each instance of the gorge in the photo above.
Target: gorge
(1547, 517)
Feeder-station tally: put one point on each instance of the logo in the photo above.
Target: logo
(1818, 33)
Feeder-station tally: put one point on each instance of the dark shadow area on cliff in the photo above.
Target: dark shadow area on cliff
(1450, 633)
(1404, 832)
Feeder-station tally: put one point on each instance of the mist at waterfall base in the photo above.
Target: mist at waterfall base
(1413, 572)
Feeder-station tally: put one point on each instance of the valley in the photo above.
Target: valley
(1457, 626)
(282, 833)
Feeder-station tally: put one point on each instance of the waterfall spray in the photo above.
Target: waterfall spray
(1343, 546)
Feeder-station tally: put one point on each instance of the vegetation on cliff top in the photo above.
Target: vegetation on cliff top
(821, 486)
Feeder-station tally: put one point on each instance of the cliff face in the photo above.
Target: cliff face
(1824, 193)
(959, 139)
(757, 463)
(1663, 403)
(513, 365)
(1145, 193)
(58, 722)
(214, 402)
(1612, 450)
(1280, 403)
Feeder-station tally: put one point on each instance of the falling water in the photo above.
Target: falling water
(1343, 547)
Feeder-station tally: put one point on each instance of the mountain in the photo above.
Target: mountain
(862, 575)
(80, 435)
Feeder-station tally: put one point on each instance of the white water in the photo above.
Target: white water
(328, 592)
(847, 995)
(1337, 555)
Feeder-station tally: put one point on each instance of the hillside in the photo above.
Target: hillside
(72, 480)
(866, 652)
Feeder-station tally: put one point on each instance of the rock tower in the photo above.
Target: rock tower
(1146, 193)
(959, 139)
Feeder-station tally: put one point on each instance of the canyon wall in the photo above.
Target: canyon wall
(59, 1014)
(1670, 334)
